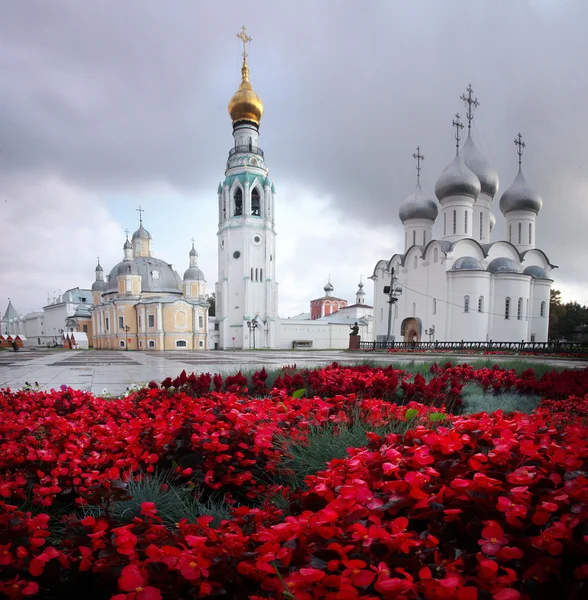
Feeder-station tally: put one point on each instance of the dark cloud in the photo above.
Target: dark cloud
(113, 97)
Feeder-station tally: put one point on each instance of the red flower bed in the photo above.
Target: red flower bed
(482, 506)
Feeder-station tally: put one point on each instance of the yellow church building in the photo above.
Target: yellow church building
(143, 304)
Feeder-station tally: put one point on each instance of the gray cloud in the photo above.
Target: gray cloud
(115, 98)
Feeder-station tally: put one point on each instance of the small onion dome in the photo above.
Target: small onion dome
(127, 245)
(418, 206)
(504, 265)
(520, 196)
(99, 267)
(194, 273)
(142, 233)
(193, 251)
(127, 267)
(492, 221)
(329, 287)
(457, 180)
(360, 291)
(476, 163)
(99, 286)
(245, 105)
(536, 272)
(467, 263)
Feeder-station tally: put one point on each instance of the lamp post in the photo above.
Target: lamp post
(127, 329)
(252, 327)
(430, 332)
(392, 291)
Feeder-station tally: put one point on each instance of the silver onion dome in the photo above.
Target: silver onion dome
(467, 263)
(520, 196)
(99, 267)
(99, 286)
(418, 206)
(142, 233)
(127, 245)
(457, 180)
(329, 287)
(474, 160)
(504, 265)
(492, 221)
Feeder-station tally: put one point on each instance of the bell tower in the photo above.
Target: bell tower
(246, 290)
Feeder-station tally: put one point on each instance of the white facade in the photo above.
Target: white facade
(463, 286)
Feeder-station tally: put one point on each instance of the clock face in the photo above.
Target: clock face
(236, 254)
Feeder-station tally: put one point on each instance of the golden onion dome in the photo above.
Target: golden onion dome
(245, 105)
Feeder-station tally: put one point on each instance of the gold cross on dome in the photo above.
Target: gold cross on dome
(244, 38)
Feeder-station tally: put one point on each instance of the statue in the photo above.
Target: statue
(354, 329)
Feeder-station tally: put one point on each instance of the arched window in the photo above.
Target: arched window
(260, 274)
(251, 273)
(520, 309)
(256, 274)
(414, 237)
(510, 233)
(481, 226)
(416, 261)
(530, 233)
(520, 232)
(434, 306)
(454, 221)
(406, 239)
(181, 344)
(481, 304)
(424, 238)
(255, 203)
(466, 222)
(466, 304)
(238, 197)
(444, 223)
(542, 309)
(414, 309)
(151, 344)
(436, 255)
(507, 308)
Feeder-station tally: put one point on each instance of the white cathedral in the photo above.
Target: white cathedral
(464, 286)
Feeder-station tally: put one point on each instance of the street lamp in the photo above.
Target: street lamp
(127, 329)
(252, 327)
(392, 291)
(430, 332)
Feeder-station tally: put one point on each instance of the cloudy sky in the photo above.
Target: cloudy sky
(106, 105)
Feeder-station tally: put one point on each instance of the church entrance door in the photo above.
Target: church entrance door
(411, 330)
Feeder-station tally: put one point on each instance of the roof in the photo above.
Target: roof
(11, 312)
(329, 298)
(156, 275)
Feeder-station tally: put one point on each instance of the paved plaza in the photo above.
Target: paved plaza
(114, 371)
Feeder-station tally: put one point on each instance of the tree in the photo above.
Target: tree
(557, 312)
(564, 318)
(211, 304)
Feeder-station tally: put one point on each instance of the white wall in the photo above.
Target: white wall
(323, 335)
(469, 326)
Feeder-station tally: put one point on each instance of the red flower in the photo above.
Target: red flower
(492, 538)
(131, 580)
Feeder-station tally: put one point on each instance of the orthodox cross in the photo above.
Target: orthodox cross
(126, 233)
(193, 240)
(244, 38)
(458, 127)
(520, 146)
(98, 259)
(471, 103)
(140, 211)
(419, 158)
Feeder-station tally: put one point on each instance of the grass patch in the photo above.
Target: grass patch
(173, 502)
(476, 400)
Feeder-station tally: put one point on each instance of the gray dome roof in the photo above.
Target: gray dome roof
(99, 267)
(99, 286)
(329, 287)
(520, 196)
(467, 263)
(156, 276)
(492, 221)
(127, 267)
(142, 233)
(536, 272)
(194, 273)
(474, 160)
(457, 180)
(193, 252)
(127, 245)
(504, 265)
(418, 206)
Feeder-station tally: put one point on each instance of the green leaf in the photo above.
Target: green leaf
(299, 393)
(411, 413)
(436, 417)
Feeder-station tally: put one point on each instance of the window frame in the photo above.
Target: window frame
(466, 303)
(507, 307)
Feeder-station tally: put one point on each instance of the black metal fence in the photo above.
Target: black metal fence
(522, 346)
